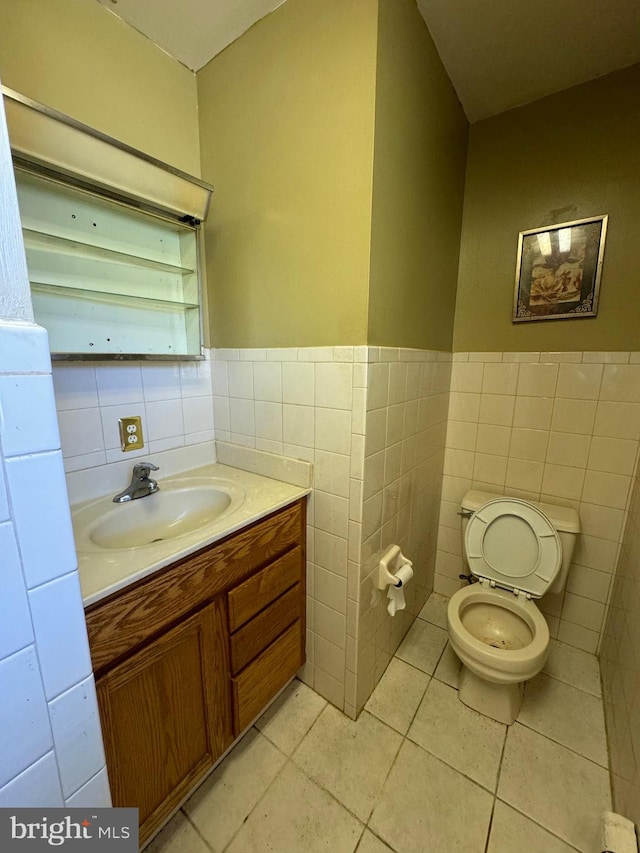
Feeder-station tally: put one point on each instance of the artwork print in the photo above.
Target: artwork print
(558, 271)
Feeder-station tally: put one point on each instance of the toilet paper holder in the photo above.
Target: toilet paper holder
(390, 562)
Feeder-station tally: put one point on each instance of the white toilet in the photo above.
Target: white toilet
(518, 550)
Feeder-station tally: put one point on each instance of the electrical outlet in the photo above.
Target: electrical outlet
(131, 437)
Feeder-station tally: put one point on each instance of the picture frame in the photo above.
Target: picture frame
(558, 270)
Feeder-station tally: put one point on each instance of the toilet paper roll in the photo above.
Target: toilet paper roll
(395, 592)
(618, 834)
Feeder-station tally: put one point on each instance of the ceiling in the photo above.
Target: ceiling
(499, 54)
(192, 31)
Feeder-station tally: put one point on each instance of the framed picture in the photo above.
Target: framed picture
(558, 270)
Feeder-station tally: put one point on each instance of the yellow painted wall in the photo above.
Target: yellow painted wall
(569, 156)
(286, 135)
(79, 58)
(418, 185)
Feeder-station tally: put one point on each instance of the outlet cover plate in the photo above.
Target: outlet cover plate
(131, 437)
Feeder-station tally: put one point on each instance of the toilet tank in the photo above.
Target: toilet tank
(565, 520)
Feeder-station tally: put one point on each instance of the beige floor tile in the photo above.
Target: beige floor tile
(556, 787)
(463, 738)
(178, 836)
(427, 806)
(296, 816)
(291, 716)
(398, 694)
(567, 715)
(423, 646)
(512, 832)
(449, 666)
(574, 666)
(435, 610)
(370, 844)
(350, 759)
(224, 800)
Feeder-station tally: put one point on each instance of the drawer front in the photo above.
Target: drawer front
(256, 635)
(258, 591)
(119, 624)
(259, 682)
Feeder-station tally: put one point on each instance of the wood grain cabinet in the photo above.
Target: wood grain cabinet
(186, 659)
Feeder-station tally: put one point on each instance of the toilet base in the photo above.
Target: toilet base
(501, 702)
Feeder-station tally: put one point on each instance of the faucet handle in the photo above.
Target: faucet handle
(143, 469)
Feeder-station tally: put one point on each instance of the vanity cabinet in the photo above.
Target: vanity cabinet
(186, 659)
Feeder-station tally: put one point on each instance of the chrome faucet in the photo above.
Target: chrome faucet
(141, 484)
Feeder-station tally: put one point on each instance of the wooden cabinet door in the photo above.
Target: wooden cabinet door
(166, 716)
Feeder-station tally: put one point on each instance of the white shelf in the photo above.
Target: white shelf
(41, 242)
(110, 297)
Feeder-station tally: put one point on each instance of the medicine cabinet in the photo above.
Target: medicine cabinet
(112, 240)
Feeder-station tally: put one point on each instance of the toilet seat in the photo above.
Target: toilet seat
(497, 664)
(511, 544)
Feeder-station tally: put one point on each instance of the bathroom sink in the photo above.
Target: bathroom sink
(169, 513)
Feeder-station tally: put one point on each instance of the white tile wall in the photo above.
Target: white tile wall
(64, 655)
(75, 711)
(25, 730)
(96, 790)
(39, 786)
(318, 404)
(50, 750)
(620, 666)
(174, 400)
(558, 427)
(15, 617)
(302, 403)
(36, 482)
(407, 403)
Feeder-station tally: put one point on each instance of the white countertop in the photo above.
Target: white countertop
(104, 571)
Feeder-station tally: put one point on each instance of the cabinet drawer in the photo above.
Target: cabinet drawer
(263, 629)
(258, 683)
(257, 592)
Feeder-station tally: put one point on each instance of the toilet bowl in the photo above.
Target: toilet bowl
(517, 552)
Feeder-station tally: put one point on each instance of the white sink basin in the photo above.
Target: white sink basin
(176, 511)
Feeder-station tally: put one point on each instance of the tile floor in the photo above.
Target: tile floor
(418, 771)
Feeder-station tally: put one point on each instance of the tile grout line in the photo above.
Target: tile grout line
(541, 825)
(246, 817)
(608, 735)
(386, 778)
(319, 784)
(563, 745)
(364, 829)
(495, 794)
(264, 793)
(257, 803)
(194, 827)
(451, 767)
(569, 683)
(490, 827)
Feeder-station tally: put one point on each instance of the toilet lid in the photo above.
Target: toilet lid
(513, 544)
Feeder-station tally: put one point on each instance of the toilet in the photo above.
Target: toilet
(518, 551)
